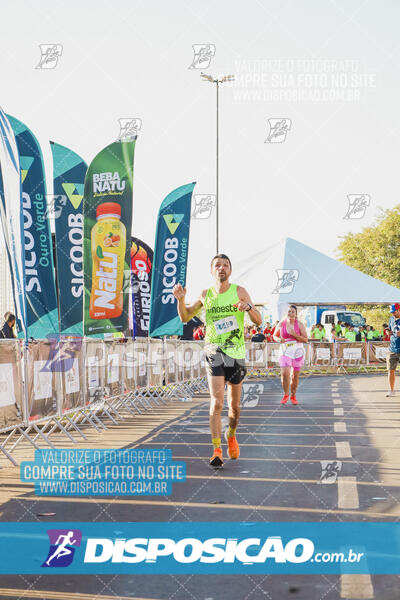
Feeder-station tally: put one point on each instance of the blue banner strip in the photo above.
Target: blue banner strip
(200, 548)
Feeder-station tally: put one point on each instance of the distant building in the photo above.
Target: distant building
(6, 295)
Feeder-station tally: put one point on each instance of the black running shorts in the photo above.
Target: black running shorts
(218, 363)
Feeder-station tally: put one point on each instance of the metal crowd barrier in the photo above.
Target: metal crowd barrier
(65, 386)
(319, 357)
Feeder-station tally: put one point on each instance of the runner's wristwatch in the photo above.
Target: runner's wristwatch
(250, 307)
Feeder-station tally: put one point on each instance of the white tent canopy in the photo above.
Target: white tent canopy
(291, 272)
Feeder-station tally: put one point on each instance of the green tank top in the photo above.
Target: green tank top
(224, 322)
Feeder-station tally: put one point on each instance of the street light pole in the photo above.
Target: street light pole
(217, 176)
(217, 83)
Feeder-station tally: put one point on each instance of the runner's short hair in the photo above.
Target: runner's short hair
(222, 256)
(293, 306)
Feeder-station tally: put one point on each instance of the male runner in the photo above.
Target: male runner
(393, 356)
(224, 304)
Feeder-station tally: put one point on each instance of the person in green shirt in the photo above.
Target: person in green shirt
(225, 304)
(318, 333)
(315, 332)
(370, 333)
(362, 332)
(336, 336)
(350, 334)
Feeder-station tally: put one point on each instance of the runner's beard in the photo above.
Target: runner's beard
(222, 276)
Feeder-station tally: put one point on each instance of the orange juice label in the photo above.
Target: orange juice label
(108, 255)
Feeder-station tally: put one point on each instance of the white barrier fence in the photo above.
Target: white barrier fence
(50, 385)
(319, 356)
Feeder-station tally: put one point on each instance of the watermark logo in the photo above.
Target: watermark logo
(129, 286)
(358, 204)
(286, 280)
(302, 80)
(193, 550)
(251, 394)
(57, 202)
(62, 355)
(63, 543)
(278, 129)
(55, 205)
(203, 53)
(330, 470)
(50, 53)
(128, 128)
(202, 206)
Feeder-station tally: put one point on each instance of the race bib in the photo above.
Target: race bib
(292, 350)
(226, 325)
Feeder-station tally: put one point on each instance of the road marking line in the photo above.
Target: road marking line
(180, 433)
(356, 586)
(339, 427)
(338, 412)
(343, 450)
(187, 504)
(53, 595)
(337, 401)
(347, 492)
(334, 395)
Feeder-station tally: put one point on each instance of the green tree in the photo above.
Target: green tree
(376, 249)
(374, 314)
(376, 252)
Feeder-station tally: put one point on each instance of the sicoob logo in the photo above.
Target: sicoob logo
(61, 551)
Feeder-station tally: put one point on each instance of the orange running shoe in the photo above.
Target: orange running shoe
(293, 399)
(285, 399)
(216, 459)
(233, 447)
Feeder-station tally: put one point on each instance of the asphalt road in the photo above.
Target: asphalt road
(344, 420)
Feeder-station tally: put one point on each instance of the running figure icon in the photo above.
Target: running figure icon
(62, 549)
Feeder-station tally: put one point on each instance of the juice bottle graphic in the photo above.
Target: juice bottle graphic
(108, 255)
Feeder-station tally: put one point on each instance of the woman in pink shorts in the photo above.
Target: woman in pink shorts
(291, 334)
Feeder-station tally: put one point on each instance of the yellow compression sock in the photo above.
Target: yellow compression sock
(216, 442)
(231, 432)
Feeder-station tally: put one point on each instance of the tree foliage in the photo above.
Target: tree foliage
(376, 252)
(376, 249)
(375, 315)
